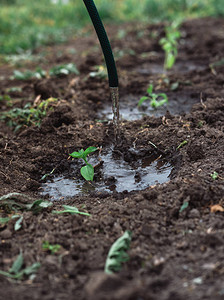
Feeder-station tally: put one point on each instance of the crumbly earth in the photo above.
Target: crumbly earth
(174, 253)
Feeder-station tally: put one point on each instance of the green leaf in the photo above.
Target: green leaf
(144, 98)
(117, 253)
(150, 89)
(18, 224)
(70, 209)
(87, 172)
(182, 144)
(76, 154)
(214, 175)
(17, 265)
(5, 220)
(184, 206)
(31, 269)
(38, 205)
(89, 150)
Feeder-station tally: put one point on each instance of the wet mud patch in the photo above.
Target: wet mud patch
(177, 227)
(114, 172)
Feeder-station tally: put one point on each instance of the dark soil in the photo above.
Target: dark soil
(173, 254)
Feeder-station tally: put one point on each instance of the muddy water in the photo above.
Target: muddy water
(129, 110)
(113, 175)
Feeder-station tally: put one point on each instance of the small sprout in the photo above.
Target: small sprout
(16, 271)
(169, 44)
(214, 175)
(184, 206)
(153, 97)
(100, 72)
(182, 144)
(71, 210)
(117, 253)
(49, 247)
(29, 115)
(64, 70)
(39, 73)
(87, 171)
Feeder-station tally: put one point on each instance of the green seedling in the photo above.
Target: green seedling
(214, 175)
(64, 70)
(38, 74)
(21, 202)
(49, 247)
(153, 97)
(169, 44)
(184, 206)
(117, 253)
(71, 210)
(16, 271)
(87, 171)
(182, 144)
(7, 99)
(29, 115)
(99, 72)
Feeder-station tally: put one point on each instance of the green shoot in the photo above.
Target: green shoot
(39, 73)
(52, 248)
(184, 206)
(18, 223)
(169, 44)
(87, 171)
(16, 271)
(71, 210)
(117, 253)
(17, 202)
(214, 175)
(100, 72)
(153, 97)
(64, 70)
(181, 144)
(27, 116)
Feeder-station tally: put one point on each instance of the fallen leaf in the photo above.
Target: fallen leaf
(216, 207)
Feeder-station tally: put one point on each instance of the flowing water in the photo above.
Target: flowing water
(114, 91)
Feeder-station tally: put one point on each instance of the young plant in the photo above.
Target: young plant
(39, 73)
(169, 44)
(87, 171)
(64, 70)
(117, 253)
(49, 247)
(153, 97)
(71, 210)
(17, 272)
(28, 115)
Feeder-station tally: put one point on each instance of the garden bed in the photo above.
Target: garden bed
(177, 247)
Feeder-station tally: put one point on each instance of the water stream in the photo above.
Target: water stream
(114, 91)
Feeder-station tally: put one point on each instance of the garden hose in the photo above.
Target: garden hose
(104, 42)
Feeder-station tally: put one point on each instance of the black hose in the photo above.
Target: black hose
(104, 42)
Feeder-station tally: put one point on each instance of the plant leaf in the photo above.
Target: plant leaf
(76, 154)
(184, 206)
(70, 209)
(87, 172)
(18, 224)
(17, 265)
(144, 98)
(117, 253)
(89, 150)
(150, 89)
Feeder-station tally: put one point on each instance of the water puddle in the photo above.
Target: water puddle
(113, 174)
(130, 111)
(179, 67)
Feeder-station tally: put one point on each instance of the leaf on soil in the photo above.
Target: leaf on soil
(70, 209)
(216, 208)
(117, 253)
(184, 206)
(17, 265)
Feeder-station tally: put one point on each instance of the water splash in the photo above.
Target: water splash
(114, 91)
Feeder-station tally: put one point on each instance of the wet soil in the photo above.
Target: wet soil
(175, 253)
